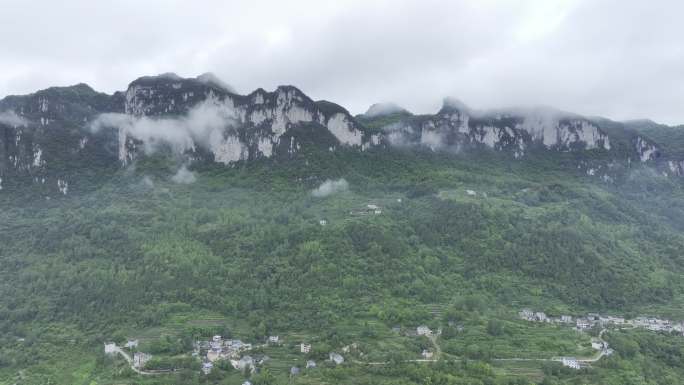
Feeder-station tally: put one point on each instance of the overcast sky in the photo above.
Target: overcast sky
(622, 59)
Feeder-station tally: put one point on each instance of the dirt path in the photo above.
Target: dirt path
(602, 352)
(438, 349)
(128, 359)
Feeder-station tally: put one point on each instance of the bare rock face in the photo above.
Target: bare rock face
(244, 127)
(456, 125)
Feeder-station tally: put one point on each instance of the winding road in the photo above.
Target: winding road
(128, 359)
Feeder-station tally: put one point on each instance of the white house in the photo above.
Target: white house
(310, 364)
(426, 354)
(304, 348)
(131, 344)
(541, 316)
(336, 358)
(206, 367)
(273, 339)
(294, 371)
(373, 207)
(582, 323)
(323, 222)
(471, 193)
(423, 330)
(526, 314)
(566, 318)
(570, 362)
(110, 348)
(596, 345)
(140, 359)
(216, 343)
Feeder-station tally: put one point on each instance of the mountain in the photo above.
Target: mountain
(179, 210)
(50, 136)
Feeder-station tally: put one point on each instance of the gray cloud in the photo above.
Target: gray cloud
(380, 109)
(202, 125)
(621, 59)
(330, 187)
(184, 176)
(10, 118)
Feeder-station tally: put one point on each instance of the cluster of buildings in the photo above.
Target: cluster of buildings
(369, 209)
(591, 320)
(224, 349)
(570, 362)
(659, 325)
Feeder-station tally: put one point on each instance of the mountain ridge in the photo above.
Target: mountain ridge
(216, 124)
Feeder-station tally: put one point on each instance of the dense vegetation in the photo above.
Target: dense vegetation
(241, 251)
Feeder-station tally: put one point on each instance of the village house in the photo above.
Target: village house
(566, 319)
(236, 344)
(216, 342)
(570, 362)
(471, 193)
(374, 209)
(541, 316)
(131, 344)
(582, 323)
(273, 339)
(593, 316)
(426, 354)
(526, 314)
(294, 371)
(110, 348)
(310, 364)
(140, 359)
(244, 363)
(206, 367)
(610, 320)
(323, 222)
(336, 358)
(304, 348)
(423, 330)
(247, 382)
(348, 348)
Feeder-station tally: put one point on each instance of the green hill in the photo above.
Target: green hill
(245, 243)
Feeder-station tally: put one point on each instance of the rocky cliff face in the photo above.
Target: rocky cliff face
(456, 125)
(52, 136)
(250, 126)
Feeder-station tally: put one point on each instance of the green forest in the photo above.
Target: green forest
(458, 242)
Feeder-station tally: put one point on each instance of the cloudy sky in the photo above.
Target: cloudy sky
(622, 59)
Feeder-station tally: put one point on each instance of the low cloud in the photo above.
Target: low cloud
(10, 118)
(199, 126)
(382, 109)
(330, 187)
(184, 176)
(147, 182)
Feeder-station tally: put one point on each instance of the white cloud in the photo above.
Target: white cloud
(330, 187)
(10, 118)
(199, 126)
(184, 176)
